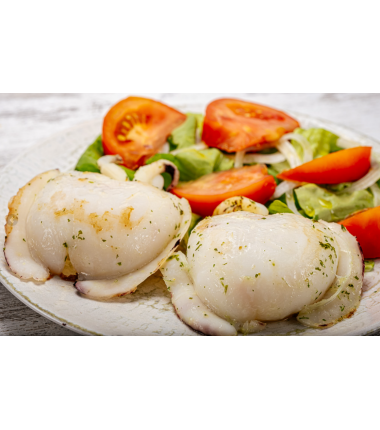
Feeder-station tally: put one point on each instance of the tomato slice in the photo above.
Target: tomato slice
(207, 192)
(136, 128)
(348, 165)
(365, 226)
(234, 125)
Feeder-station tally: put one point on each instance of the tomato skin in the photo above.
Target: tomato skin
(203, 194)
(348, 165)
(136, 128)
(365, 226)
(234, 125)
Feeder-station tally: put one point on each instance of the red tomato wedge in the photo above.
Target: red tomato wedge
(234, 125)
(207, 192)
(136, 128)
(365, 225)
(348, 165)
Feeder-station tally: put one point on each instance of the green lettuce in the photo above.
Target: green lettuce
(369, 265)
(192, 164)
(319, 203)
(167, 180)
(322, 141)
(88, 160)
(278, 207)
(157, 157)
(337, 188)
(184, 135)
(277, 168)
(195, 219)
(131, 173)
(200, 120)
(273, 173)
(225, 163)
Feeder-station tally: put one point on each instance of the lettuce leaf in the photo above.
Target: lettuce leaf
(278, 207)
(319, 203)
(184, 135)
(322, 141)
(276, 168)
(369, 265)
(157, 157)
(192, 164)
(213, 155)
(88, 160)
(195, 219)
(200, 120)
(224, 164)
(130, 173)
(337, 187)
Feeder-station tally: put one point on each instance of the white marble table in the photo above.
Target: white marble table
(26, 119)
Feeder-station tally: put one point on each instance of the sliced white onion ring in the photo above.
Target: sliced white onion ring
(376, 195)
(346, 143)
(283, 188)
(239, 158)
(307, 149)
(287, 149)
(277, 157)
(366, 181)
(291, 203)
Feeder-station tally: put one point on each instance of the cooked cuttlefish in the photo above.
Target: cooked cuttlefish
(243, 270)
(107, 235)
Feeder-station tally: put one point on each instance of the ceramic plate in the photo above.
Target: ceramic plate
(148, 311)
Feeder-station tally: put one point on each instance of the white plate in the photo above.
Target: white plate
(149, 311)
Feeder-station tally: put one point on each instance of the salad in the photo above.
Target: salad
(240, 148)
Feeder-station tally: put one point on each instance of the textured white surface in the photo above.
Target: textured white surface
(26, 119)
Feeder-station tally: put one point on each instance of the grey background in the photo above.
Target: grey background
(25, 119)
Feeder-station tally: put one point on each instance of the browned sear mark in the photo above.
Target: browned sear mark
(125, 217)
(98, 222)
